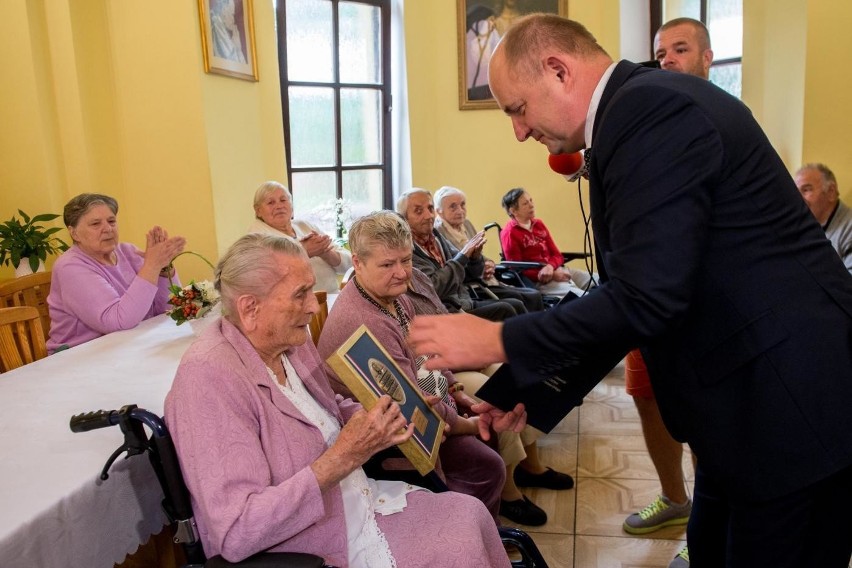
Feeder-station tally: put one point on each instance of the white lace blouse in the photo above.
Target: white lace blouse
(362, 497)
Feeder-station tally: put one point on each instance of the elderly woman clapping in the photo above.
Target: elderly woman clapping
(273, 209)
(101, 285)
(272, 458)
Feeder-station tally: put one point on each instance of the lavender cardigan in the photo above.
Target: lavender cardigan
(88, 299)
(245, 452)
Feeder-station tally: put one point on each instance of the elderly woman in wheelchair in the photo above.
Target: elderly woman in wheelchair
(453, 224)
(272, 457)
(526, 238)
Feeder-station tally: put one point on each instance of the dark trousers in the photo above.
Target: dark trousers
(529, 296)
(497, 310)
(809, 528)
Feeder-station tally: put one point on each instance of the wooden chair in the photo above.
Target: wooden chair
(21, 337)
(30, 290)
(319, 318)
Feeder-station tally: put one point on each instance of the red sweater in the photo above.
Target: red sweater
(533, 245)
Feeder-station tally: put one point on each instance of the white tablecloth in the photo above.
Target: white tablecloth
(54, 510)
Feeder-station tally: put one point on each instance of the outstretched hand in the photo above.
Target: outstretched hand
(457, 341)
(502, 421)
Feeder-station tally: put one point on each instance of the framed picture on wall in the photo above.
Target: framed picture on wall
(481, 24)
(227, 38)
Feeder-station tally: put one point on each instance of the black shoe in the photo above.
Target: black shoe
(523, 511)
(550, 479)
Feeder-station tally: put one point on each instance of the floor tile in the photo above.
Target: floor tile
(557, 549)
(615, 552)
(603, 504)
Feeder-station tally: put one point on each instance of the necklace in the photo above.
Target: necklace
(401, 317)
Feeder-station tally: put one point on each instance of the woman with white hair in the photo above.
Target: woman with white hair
(453, 224)
(272, 458)
(273, 210)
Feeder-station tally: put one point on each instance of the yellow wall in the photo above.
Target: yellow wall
(827, 121)
(475, 150)
(111, 97)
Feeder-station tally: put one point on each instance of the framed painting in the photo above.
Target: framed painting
(481, 24)
(369, 372)
(227, 38)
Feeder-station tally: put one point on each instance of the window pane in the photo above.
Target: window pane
(728, 77)
(362, 190)
(309, 46)
(360, 35)
(313, 198)
(725, 22)
(360, 127)
(312, 129)
(681, 9)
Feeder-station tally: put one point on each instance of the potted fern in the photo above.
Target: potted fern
(25, 244)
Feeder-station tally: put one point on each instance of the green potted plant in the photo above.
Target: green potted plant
(28, 239)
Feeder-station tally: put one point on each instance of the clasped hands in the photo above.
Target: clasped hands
(318, 244)
(548, 274)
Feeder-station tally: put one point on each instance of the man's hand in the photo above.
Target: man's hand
(457, 341)
(501, 421)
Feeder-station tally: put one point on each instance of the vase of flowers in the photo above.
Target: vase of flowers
(197, 303)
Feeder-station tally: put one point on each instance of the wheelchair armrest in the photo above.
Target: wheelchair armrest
(270, 560)
(516, 265)
(569, 256)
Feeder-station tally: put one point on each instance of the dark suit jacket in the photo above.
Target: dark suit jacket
(714, 266)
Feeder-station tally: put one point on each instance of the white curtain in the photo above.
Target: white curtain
(401, 135)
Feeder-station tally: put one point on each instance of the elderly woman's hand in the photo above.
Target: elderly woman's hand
(545, 275)
(160, 249)
(316, 244)
(365, 434)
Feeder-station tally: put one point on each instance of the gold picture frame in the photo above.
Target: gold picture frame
(369, 372)
(227, 38)
(480, 25)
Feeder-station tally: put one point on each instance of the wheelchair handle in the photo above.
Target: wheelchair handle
(94, 420)
(105, 418)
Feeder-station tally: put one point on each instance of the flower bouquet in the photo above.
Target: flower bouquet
(195, 302)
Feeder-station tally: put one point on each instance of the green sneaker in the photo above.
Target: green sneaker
(660, 513)
(681, 560)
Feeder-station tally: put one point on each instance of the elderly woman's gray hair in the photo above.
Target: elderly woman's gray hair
(80, 205)
(249, 267)
(446, 191)
(402, 202)
(265, 189)
(384, 228)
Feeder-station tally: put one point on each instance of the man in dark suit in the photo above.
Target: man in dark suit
(710, 263)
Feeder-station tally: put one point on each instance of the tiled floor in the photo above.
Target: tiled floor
(601, 445)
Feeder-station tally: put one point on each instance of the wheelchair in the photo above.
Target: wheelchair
(177, 505)
(510, 272)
